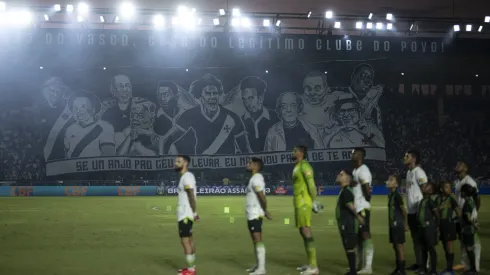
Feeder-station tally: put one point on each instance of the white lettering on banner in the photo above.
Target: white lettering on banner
(217, 190)
(197, 162)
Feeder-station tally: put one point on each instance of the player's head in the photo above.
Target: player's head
(358, 154)
(344, 178)
(300, 152)
(253, 90)
(121, 88)
(347, 112)
(55, 92)
(288, 106)
(167, 94)
(143, 114)
(315, 87)
(182, 163)
(429, 188)
(209, 90)
(461, 167)
(412, 157)
(83, 106)
(362, 78)
(446, 187)
(393, 181)
(468, 191)
(255, 165)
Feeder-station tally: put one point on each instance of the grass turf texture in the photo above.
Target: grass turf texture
(138, 235)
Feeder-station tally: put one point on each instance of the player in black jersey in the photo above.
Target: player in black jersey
(469, 225)
(348, 219)
(428, 220)
(397, 215)
(448, 209)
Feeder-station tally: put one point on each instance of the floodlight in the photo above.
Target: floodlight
(69, 8)
(379, 26)
(46, 17)
(222, 12)
(337, 25)
(369, 25)
(329, 14)
(82, 8)
(216, 21)
(456, 28)
(469, 27)
(246, 22)
(266, 23)
(480, 28)
(80, 18)
(278, 23)
(102, 19)
(235, 12)
(370, 16)
(389, 16)
(389, 26)
(359, 25)
(158, 21)
(126, 9)
(57, 7)
(487, 19)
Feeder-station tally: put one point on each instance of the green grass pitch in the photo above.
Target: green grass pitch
(138, 235)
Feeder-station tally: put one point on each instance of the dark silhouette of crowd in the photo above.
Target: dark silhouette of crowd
(460, 131)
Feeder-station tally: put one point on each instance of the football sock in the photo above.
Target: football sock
(260, 251)
(401, 265)
(477, 252)
(311, 252)
(450, 261)
(190, 258)
(351, 258)
(255, 253)
(424, 257)
(360, 255)
(463, 253)
(471, 258)
(433, 259)
(418, 254)
(368, 252)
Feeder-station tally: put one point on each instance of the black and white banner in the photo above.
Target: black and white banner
(197, 162)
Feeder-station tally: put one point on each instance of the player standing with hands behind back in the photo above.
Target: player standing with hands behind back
(304, 196)
(397, 215)
(362, 196)
(186, 212)
(256, 209)
(415, 180)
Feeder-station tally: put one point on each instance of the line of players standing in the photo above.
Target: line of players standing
(432, 213)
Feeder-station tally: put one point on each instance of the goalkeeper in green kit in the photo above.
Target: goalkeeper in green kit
(304, 194)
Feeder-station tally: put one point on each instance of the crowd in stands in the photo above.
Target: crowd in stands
(409, 121)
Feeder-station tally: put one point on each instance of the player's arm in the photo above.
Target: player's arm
(348, 200)
(190, 185)
(307, 171)
(421, 177)
(401, 204)
(435, 210)
(365, 181)
(259, 189)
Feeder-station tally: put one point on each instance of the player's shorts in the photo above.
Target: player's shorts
(468, 240)
(447, 231)
(366, 214)
(397, 234)
(427, 236)
(302, 215)
(185, 228)
(255, 225)
(349, 241)
(458, 230)
(413, 224)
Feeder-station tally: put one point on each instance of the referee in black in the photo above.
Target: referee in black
(348, 219)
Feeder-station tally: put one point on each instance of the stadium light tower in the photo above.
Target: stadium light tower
(82, 8)
(126, 10)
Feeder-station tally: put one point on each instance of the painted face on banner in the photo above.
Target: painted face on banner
(82, 109)
(251, 101)
(54, 95)
(363, 80)
(122, 90)
(210, 98)
(164, 96)
(349, 114)
(141, 117)
(289, 108)
(314, 89)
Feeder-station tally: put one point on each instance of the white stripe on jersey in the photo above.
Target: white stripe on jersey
(253, 208)
(184, 209)
(362, 175)
(415, 178)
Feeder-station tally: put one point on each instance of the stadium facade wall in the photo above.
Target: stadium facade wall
(76, 191)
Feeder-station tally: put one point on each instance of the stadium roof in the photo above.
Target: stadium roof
(415, 17)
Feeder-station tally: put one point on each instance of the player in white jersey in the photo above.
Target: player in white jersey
(462, 179)
(186, 212)
(256, 209)
(416, 178)
(362, 197)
